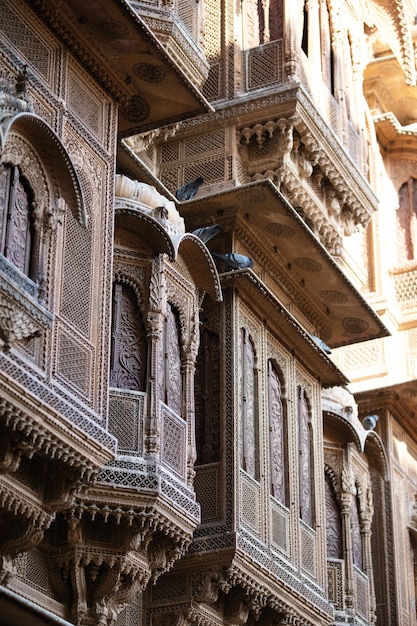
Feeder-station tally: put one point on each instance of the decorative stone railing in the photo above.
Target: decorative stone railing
(126, 414)
(264, 66)
(362, 594)
(335, 582)
(336, 589)
(405, 283)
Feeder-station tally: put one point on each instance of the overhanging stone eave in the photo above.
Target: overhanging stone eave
(290, 592)
(16, 610)
(166, 97)
(393, 136)
(350, 317)
(172, 33)
(291, 101)
(399, 398)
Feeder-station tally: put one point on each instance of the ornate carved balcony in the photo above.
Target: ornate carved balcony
(178, 24)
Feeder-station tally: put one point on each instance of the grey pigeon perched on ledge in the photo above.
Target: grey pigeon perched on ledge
(234, 260)
(321, 344)
(205, 233)
(369, 422)
(188, 191)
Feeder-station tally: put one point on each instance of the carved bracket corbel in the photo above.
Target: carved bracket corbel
(236, 608)
(206, 585)
(11, 451)
(23, 526)
(163, 552)
(97, 584)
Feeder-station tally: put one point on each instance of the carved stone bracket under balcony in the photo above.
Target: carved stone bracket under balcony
(242, 598)
(286, 151)
(97, 583)
(21, 314)
(108, 557)
(25, 435)
(23, 521)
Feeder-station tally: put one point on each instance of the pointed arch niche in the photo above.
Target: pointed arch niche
(306, 469)
(38, 181)
(278, 434)
(249, 430)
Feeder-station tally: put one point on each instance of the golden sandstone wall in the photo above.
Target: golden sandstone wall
(180, 443)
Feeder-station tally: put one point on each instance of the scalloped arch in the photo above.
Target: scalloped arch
(375, 450)
(122, 276)
(344, 426)
(53, 156)
(150, 229)
(201, 265)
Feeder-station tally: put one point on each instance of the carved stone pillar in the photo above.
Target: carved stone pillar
(293, 32)
(314, 39)
(265, 10)
(348, 490)
(357, 58)
(189, 359)
(366, 519)
(337, 42)
(156, 313)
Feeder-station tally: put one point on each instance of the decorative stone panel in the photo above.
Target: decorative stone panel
(21, 314)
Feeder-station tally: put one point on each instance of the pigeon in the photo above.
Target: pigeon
(321, 344)
(205, 233)
(234, 261)
(188, 191)
(369, 422)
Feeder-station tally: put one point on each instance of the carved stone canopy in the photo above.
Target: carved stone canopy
(149, 200)
(149, 86)
(393, 19)
(289, 242)
(155, 221)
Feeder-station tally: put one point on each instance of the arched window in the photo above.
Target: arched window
(249, 454)
(276, 19)
(128, 346)
(333, 522)
(277, 437)
(171, 367)
(17, 234)
(263, 22)
(306, 458)
(407, 221)
(207, 399)
(305, 37)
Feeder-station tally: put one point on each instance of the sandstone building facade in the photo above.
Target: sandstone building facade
(207, 391)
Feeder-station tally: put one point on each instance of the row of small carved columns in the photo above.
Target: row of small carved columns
(347, 87)
(347, 493)
(156, 316)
